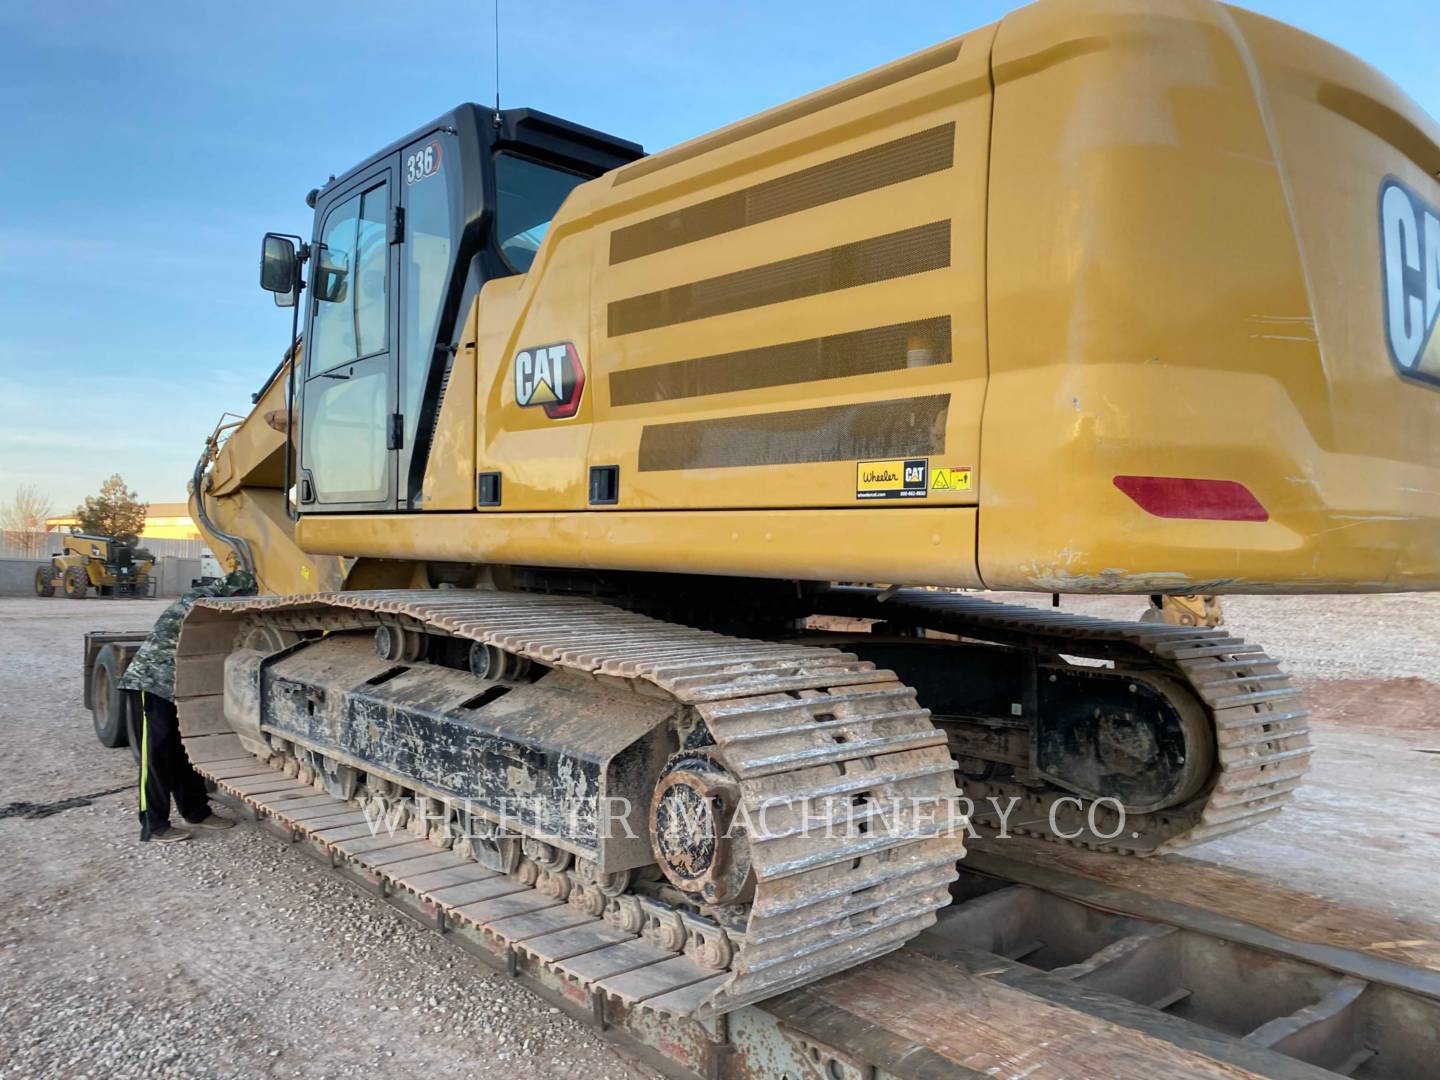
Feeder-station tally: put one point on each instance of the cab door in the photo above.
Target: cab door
(428, 190)
(348, 434)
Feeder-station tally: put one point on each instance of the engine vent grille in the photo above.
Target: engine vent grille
(860, 352)
(868, 170)
(871, 429)
(880, 258)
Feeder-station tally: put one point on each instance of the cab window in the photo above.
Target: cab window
(350, 283)
(425, 264)
(529, 195)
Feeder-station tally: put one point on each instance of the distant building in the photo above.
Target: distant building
(164, 521)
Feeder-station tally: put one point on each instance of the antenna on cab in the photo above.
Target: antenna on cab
(497, 63)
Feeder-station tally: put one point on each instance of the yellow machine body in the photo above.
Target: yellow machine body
(921, 327)
(1109, 296)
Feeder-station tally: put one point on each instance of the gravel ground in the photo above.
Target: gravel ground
(235, 956)
(230, 955)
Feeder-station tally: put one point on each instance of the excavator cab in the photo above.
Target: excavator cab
(401, 244)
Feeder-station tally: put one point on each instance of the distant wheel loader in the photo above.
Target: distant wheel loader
(101, 563)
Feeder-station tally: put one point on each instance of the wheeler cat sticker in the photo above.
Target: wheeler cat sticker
(899, 478)
(551, 377)
(1410, 272)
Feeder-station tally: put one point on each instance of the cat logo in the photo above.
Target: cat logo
(551, 377)
(1410, 270)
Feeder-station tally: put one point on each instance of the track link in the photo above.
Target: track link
(853, 785)
(1262, 740)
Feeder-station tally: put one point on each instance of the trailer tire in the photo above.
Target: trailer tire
(107, 700)
(43, 585)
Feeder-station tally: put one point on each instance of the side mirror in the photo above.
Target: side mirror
(279, 265)
(285, 299)
(329, 278)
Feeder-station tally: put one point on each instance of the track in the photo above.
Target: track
(802, 729)
(1261, 737)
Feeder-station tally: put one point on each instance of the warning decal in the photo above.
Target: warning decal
(897, 479)
(955, 478)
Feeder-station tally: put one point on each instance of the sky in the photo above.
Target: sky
(147, 146)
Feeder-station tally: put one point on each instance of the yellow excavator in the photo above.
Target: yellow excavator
(563, 498)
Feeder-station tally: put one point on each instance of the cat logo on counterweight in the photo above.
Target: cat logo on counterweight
(1410, 273)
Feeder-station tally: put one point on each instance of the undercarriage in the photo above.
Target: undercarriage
(768, 809)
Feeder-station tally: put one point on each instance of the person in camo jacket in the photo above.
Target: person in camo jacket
(165, 769)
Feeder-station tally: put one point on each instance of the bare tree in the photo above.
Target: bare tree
(23, 522)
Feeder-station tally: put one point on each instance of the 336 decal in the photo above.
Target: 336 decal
(423, 163)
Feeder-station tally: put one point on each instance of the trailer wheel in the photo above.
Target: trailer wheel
(76, 582)
(43, 585)
(107, 700)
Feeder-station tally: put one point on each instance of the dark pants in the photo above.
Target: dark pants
(165, 770)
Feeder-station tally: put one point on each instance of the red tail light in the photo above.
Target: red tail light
(1186, 497)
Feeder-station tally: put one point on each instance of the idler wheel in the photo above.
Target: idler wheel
(700, 843)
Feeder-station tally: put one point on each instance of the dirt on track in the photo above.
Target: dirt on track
(229, 955)
(232, 955)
